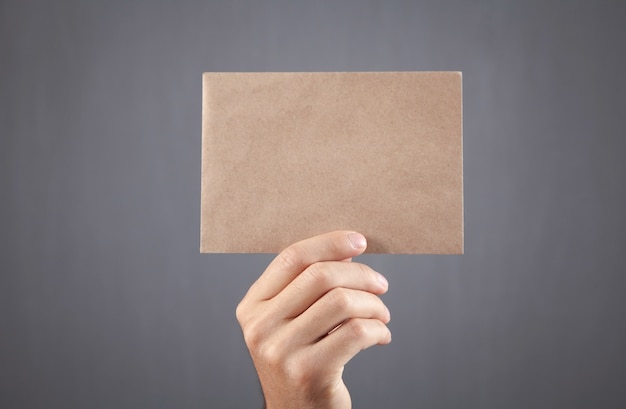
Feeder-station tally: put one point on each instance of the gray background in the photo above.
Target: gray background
(105, 301)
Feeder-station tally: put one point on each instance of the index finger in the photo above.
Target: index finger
(334, 246)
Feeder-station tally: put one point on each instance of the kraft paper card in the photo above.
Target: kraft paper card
(286, 156)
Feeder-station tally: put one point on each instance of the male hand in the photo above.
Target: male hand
(308, 314)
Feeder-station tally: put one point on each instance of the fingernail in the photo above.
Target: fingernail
(357, 240)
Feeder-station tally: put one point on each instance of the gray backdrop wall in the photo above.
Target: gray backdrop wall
(105, 301)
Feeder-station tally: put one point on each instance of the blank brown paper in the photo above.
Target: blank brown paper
(286, 156)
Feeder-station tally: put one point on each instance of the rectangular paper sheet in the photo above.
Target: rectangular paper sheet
(286, 156)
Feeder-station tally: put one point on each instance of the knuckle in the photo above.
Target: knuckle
(290, 258)
(253, 334)
(320, 275)
(358, 328)
(370, 275)
(240, 313)
(290, 366)
(367, 272)
(271, 354)
(341, 299)
(338, 246)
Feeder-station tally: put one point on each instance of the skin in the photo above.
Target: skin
(308, 315)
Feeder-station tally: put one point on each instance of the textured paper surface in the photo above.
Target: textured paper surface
(286, 156)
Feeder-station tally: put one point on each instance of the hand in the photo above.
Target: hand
(308, 314)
